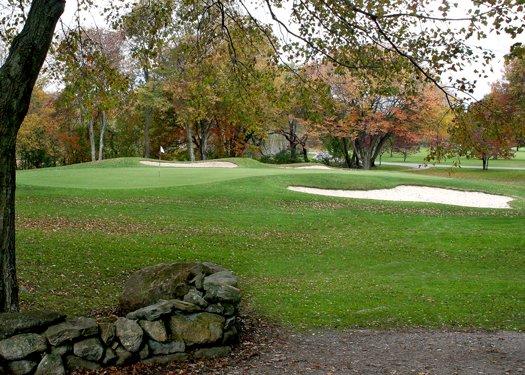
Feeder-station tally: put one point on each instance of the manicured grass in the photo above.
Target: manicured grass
(507, 176)
(305, 261)
(518, 161)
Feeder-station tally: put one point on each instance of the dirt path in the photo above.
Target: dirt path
(391, 352)
(272, 350)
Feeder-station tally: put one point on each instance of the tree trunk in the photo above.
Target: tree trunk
(355, 160)
(355, 155)
(17, 79)
(305, 154)
(203, 130)
(189, 143)
(8, 282)
(485, 160)
(364, 154)
(293, 151)
(292, 139)
(148, 120)
(366, 159)
(348, 160)
(378, 147)
(91, 128)
(103, 127)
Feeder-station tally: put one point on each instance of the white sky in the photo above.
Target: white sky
(499, 44)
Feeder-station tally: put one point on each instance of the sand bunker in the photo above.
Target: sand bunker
(314, 167)
(417, 194)
(204, 164)
(320, 167)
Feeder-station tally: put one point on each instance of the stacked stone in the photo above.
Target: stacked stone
(201, 324)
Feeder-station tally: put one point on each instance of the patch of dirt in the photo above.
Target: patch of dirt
(268, 349)
(392, 352)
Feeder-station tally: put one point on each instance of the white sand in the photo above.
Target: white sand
(417, 194)
(314, 167)
(203, 164)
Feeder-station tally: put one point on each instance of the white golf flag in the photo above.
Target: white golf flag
(162, 150)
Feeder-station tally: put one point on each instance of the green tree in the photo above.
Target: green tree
(88, 62)
(483, 131)
(148, 28)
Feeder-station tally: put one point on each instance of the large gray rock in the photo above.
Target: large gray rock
(123, 356)
(76, 363)
(195, 297)
(165, 281)
(167, 347)
(129, 333)
(107, 332)
(51, 364)
(178, 305)
(21, 367)
(230, 336)
(13, 323)
(156, 330)
(209, 268)
(110, 357)
(200, 328)
(219, 351)
(198, 281)
(222, 293)
(221, 278)
(216, 308)
(144, 352)
(152, 312)
(71, 329)
(20, 346)
(90, 349)
(164, 359)
(226, 309)
(62, 349)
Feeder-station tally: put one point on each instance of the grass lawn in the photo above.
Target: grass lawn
(305, 261)
(518, 161)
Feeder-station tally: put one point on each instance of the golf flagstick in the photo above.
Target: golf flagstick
(161, 151)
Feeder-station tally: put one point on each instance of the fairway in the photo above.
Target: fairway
(518, 161)
(304, 261)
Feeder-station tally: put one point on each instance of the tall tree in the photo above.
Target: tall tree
(371, 109)
(89, 63)
(301, 102)
(38, 141)
(147, 28)
(483, 131)
(17, 78)
(513, 89)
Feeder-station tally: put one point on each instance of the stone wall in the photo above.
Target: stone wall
(201, 323)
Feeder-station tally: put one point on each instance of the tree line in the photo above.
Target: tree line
(200, 94)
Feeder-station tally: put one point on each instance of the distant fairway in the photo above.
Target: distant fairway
(518, 161)
(306, 261)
